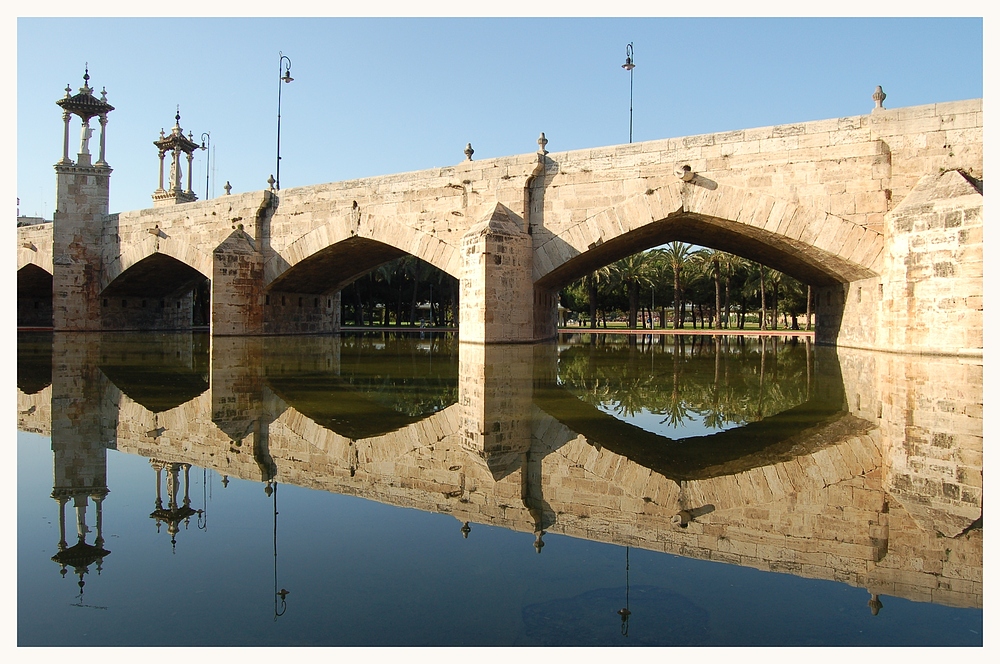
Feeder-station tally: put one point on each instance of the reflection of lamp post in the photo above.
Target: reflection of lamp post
(624, 612)
(206, 144)
(629, 66)
(279, 595)
(287, 78)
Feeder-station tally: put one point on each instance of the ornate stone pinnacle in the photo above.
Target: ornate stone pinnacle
(228, 187)
(879, 97)
(270, 183)
(468, 151)
(542, 142)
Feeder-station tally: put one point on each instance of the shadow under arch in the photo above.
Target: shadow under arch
(157, 275)
(812, 246)
(168, 256)
(337, 266)
(34, 296)
(156, 292)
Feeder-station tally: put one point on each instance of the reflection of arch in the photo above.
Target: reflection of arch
(808, 244)
(335, 404)
(364, 242)
(160, 378)
(158, 248)
(34, 361)
(771, 440)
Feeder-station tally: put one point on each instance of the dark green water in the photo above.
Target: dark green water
(344, 470)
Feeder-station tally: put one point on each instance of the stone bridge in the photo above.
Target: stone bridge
(885, 498)
(881, 213)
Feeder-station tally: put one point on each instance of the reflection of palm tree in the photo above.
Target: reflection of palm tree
(725, 387)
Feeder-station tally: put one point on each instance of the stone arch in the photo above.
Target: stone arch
(130, 255)
(809, 244)
(32, 254)
(365, 241)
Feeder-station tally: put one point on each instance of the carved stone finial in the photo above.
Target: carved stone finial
(542, 142)
(104, 93)
(69, 91)
(270, 183)
(879, 97)
(228, 187)
(468, 151)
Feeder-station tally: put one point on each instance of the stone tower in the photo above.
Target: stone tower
(82, 193)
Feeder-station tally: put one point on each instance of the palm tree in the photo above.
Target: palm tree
(593, 281)
(676, 254)
(710, 263)
(659, 273)
(631, 272)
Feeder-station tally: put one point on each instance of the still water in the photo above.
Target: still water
(387, 489)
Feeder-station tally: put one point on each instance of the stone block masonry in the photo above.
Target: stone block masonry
(880, 213)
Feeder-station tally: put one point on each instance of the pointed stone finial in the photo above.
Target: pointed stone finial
(177, 118)
(468, 151)
(542, 142)
(270, 183)
(104, 93)
(162, 134)
(879, 97)
(69, 91)
(86, 79)
(228, 187)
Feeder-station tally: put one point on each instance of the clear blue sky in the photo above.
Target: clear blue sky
(377, 96)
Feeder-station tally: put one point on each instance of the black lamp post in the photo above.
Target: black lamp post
(206, 144)
(286, 78)
(629, 66)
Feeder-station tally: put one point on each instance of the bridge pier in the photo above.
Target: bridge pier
(928, 296)
(237, 287)
(496, 304)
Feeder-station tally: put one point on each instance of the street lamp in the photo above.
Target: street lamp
(629, 66)
(206, 144)
(287, 78)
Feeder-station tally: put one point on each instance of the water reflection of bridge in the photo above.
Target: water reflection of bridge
(874, 480)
